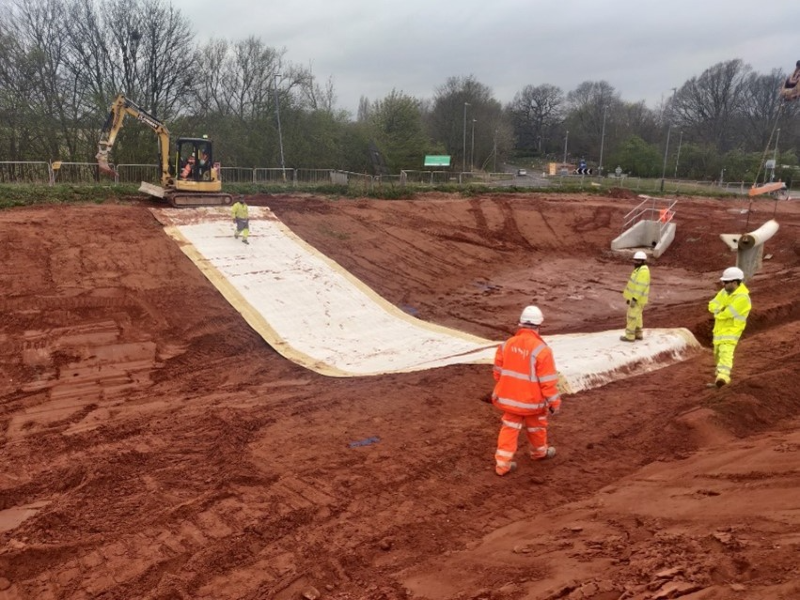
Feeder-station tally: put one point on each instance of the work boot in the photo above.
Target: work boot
(236, 236)
(720, 382)
(511, 468)
(244, 241)
(639, 335)
(627, 339)
(551, 452)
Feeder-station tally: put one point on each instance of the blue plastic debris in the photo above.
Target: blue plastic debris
(409, 309)
(365, 442)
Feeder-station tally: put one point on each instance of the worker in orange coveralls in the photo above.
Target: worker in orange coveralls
(526, 391)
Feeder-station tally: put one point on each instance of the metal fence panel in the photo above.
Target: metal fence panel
(359, 181)
(314, 176)
(236, 175)
(76, 172)
(274, 175)
(25, 172)
(135, 173)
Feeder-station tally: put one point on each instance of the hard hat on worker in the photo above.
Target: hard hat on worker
(531, 315)
(732, 274)
(640, 256)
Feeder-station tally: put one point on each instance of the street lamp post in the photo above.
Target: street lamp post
(472, 148)
(666, 149)
(678, 156)
(494, 151)
(774, 157)
(602, 143)
(666, 146)
(464, 141)
(280, 132)
(566, 138)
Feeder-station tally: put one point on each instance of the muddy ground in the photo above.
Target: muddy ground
(153, 446)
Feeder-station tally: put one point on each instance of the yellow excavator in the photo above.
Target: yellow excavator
(188, 178)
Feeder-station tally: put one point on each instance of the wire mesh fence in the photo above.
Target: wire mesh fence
(75, 173)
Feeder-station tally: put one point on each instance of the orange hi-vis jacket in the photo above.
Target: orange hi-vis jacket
(526, 375)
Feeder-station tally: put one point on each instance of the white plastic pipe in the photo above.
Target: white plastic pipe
(759, 236)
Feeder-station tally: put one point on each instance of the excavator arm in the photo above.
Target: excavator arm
(120, 108)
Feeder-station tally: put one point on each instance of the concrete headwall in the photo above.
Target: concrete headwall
(645, 234)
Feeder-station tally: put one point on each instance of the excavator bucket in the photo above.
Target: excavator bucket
(103, 164)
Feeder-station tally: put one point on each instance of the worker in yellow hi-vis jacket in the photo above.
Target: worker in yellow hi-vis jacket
(636, 294)
(241, 216)
(730, 308)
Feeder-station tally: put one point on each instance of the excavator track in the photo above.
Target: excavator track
(184, 199)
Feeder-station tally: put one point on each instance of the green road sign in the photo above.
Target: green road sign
(437, 161)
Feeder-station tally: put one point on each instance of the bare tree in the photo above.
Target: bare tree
(319, 96)
(588, 106)
(39, 28)
(362, 116)
(15, 107)
(209, 93)
(762, 110)
(536, 112)
(706, 106)
(459, 99)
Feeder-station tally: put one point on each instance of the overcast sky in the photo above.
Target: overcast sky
(643, 48)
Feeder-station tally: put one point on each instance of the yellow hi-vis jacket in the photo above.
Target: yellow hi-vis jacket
(240, 211)
(730, 314)
(638, 287)
(526, 376)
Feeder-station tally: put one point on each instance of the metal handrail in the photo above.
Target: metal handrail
(648, 207)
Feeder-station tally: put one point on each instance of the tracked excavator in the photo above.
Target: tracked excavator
(188, 177)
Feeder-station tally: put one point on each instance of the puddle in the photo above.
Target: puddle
(11, 518)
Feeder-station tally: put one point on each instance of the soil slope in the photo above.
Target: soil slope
(153, 446)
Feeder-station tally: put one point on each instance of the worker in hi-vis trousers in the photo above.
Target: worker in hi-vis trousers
(730, 308)
(525, 390)
(636, 294)
(241, 216)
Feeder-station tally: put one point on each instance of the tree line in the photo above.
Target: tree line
(63, 61)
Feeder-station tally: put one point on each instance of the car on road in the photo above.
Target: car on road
(522, 172)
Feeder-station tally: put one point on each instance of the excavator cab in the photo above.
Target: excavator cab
(195, 179)
(194, 160)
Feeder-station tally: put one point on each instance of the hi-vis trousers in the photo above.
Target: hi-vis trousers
(242, 228)
(536, 430)
(723, 355)
(634, 323)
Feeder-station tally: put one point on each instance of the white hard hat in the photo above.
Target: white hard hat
(531, 315)
(732, 274)
(640, 256)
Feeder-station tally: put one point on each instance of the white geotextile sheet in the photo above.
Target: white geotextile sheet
(317, 314)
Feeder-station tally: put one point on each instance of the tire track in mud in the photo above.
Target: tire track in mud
(510, 231)
(600, 218)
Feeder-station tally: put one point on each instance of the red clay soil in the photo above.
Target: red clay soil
(153, 446)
